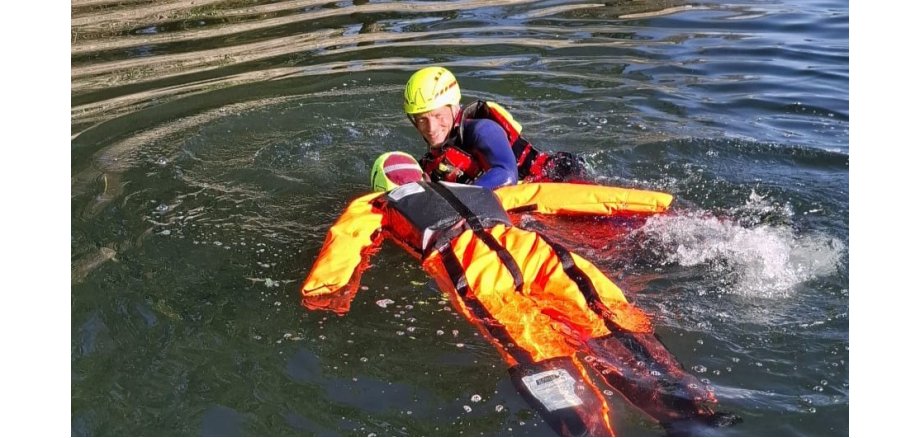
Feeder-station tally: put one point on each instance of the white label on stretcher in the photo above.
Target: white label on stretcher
(555, 389)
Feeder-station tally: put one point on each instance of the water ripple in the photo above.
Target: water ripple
(214, 143)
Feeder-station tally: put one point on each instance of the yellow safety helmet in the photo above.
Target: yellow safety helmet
(431, 88)
(394, 169)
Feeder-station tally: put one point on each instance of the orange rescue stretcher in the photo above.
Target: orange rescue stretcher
(552, 314)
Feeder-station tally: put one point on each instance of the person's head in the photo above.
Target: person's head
(394, 169)
(432, 101)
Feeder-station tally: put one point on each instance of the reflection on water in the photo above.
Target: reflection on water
(118, 45)
(214, 142)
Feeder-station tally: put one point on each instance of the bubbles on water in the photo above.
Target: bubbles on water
(699, 368)
(467, 408)
(476, 398)
(384, 302)
(499, 408)
(807, 404)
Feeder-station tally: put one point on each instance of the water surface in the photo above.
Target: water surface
(214, 142)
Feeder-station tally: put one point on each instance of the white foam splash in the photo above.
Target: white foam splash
(761, 259)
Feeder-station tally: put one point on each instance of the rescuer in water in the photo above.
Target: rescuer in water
(537, 302)
(479, 144)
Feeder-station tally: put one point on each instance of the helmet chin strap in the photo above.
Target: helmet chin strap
(458, 123)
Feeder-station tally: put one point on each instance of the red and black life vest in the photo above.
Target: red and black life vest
(452, 163)
(423, 215)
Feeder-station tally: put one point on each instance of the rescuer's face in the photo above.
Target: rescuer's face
(435, 125)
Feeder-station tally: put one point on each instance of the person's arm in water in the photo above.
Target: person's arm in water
(488, 140)
(333, 281)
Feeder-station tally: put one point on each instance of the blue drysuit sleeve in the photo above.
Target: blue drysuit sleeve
(489, 141)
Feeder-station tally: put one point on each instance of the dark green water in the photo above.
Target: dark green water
(214, 143)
